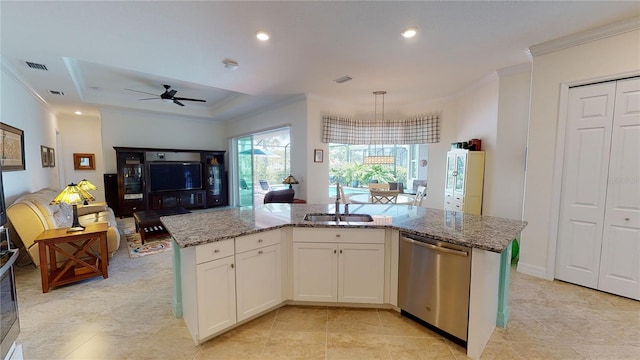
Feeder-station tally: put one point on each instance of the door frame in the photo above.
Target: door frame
(558, 173)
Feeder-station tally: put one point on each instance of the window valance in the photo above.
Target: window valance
(423, 129)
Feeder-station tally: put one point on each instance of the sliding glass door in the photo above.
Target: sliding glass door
(262, 162)
(245, 170)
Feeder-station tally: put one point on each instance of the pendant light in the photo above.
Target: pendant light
(378, 159)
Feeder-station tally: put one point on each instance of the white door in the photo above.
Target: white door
(258, 280)
(620, 264)
(216, 283)
(586, 164)
(361, 273)
(315, 272)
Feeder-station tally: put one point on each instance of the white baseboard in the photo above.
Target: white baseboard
(533, 270)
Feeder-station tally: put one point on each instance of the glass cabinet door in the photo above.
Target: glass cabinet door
(132, 181)
(214, 180)
(460, 167)
(450, 173)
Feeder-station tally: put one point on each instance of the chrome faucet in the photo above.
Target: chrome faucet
(337, 200)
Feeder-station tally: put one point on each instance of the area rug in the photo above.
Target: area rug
(134, 244)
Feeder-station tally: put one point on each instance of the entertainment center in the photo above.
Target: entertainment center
(155, 179)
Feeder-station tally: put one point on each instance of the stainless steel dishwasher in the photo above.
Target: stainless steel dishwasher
(433, 283)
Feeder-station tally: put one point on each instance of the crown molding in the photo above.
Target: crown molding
(9, 70)
(477, 84)
(515, 69)
(602, 32)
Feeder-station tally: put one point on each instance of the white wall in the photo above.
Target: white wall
(607, 57)
(20, 109)
(143, 129)
(293, 114)
(81, 134)
(477, 110)
(507, 182)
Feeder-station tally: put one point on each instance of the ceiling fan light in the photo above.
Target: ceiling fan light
(409, 32)
(230, 64)
(167, 100)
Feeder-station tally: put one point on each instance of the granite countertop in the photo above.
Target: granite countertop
(482, 232)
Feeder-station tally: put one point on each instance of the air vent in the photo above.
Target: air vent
(37, 66)
(56, 92)
(343, 79)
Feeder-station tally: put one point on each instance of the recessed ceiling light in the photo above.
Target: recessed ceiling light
(409, 32)
(78, 113)
(262, 36)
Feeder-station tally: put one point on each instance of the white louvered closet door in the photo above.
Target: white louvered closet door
(599, 236)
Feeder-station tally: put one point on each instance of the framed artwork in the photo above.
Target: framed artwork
(318, 155)
(11, 148)
(44, 156)
(84, 161)
(52, 157)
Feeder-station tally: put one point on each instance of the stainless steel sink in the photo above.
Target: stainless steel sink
(332, 217)
(320, 217)
(356, 218)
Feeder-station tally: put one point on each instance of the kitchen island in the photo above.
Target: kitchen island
(243, 262)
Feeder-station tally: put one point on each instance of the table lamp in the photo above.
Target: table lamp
(86, 185)
(290, 180)
(73, 195)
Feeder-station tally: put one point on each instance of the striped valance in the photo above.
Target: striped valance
(423, 129)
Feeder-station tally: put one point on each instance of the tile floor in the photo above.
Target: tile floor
(128, 316)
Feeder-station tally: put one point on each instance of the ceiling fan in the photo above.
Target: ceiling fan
(168, 96)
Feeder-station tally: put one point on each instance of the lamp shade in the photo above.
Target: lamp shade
(85, 184)
(73, 195)
(290, 180)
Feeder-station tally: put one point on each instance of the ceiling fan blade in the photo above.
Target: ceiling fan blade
(154, 98)
(177, 102)
(142, 92)
(188, 99)
(172, 93)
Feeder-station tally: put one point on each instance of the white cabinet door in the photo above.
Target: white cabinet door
(620, 263)
(586, 163)
(315, 272)
(258, 280)
(216, 289)
(361, 273)
(450, 179)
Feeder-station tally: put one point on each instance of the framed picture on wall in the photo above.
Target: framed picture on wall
(52, 157)
(44, 156)
(84, 161)
(318, 155)
(11, 148)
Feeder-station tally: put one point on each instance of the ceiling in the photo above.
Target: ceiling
(94, 51)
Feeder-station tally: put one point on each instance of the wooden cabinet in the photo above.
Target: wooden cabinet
(132, 193)
(258, 273)
(215, 178)
(188, 199)
(139, 170)
(350, 271)
(464, 181)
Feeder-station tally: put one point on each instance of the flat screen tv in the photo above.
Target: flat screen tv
(175, 176)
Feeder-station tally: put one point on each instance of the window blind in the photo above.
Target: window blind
(422, 129)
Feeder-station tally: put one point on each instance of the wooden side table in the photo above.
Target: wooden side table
(82, 264)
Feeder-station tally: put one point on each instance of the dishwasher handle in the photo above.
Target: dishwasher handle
(436, 248)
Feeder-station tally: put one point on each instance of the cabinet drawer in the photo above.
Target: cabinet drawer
(213, 251)
(333, 235)
(453, 205)
(257, 240)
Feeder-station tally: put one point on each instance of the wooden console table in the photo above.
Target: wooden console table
(82, 264)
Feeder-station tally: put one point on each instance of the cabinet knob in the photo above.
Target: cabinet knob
(626, 219)
(337, 235)
(260, 252)
(335, 252)
(232, 266)
(216, 251)
(260, 240)
(340, 251)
